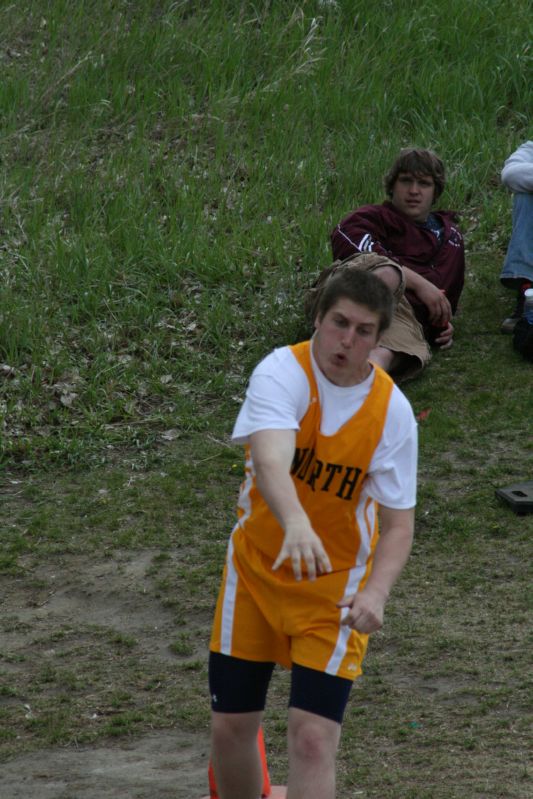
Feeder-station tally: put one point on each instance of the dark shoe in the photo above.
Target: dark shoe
(508, 325)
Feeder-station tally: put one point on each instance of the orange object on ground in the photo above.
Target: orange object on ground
(266, 790)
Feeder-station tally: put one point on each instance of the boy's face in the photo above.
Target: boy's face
(413, 195)
(344, 338)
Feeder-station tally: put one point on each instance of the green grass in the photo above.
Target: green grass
(171, 173)
(169, 177)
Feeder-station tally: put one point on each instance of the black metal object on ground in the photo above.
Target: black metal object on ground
(519, 496)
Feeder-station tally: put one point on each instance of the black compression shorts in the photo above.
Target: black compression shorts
(240, 686)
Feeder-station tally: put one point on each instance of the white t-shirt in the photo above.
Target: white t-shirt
(517, 173)
(277, 398)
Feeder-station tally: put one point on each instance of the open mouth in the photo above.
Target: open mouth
(339, 358)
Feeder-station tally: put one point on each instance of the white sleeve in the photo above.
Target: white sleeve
(276, 399)
(391, 478)
(517, 173)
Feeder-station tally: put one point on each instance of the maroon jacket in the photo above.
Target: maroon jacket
(385, 230)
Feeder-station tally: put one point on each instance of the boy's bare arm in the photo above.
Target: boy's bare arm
(366, 608)
(272, 456)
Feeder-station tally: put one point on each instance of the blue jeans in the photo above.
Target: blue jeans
(518, 262)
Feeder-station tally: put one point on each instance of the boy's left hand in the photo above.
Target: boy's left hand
(366, 611)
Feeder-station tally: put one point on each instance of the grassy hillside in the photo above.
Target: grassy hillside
(170, 173)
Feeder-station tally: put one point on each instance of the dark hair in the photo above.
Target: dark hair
(418, 162)
(364, 288)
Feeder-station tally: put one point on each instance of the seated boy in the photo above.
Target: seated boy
(429, 247)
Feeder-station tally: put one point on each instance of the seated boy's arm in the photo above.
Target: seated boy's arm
(272, 455)
(438, 305)
(362, 231)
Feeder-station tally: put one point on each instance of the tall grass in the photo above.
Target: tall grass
(171, 171)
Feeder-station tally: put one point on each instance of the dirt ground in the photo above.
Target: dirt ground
(92, 641)
(160, 765)
(78, 595)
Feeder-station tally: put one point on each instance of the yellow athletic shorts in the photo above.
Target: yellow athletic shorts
(263, 615)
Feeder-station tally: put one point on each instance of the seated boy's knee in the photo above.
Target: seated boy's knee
(390, 276)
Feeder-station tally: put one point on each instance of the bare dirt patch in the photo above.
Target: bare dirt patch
(163, 764)
(92, 635)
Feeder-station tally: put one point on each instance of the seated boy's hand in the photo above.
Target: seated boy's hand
(445, 338)
(435, 300)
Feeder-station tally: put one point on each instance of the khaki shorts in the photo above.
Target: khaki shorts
(405, 335)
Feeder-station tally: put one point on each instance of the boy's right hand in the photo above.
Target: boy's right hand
(302, 543)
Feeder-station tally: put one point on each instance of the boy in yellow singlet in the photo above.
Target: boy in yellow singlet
(331, 448)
